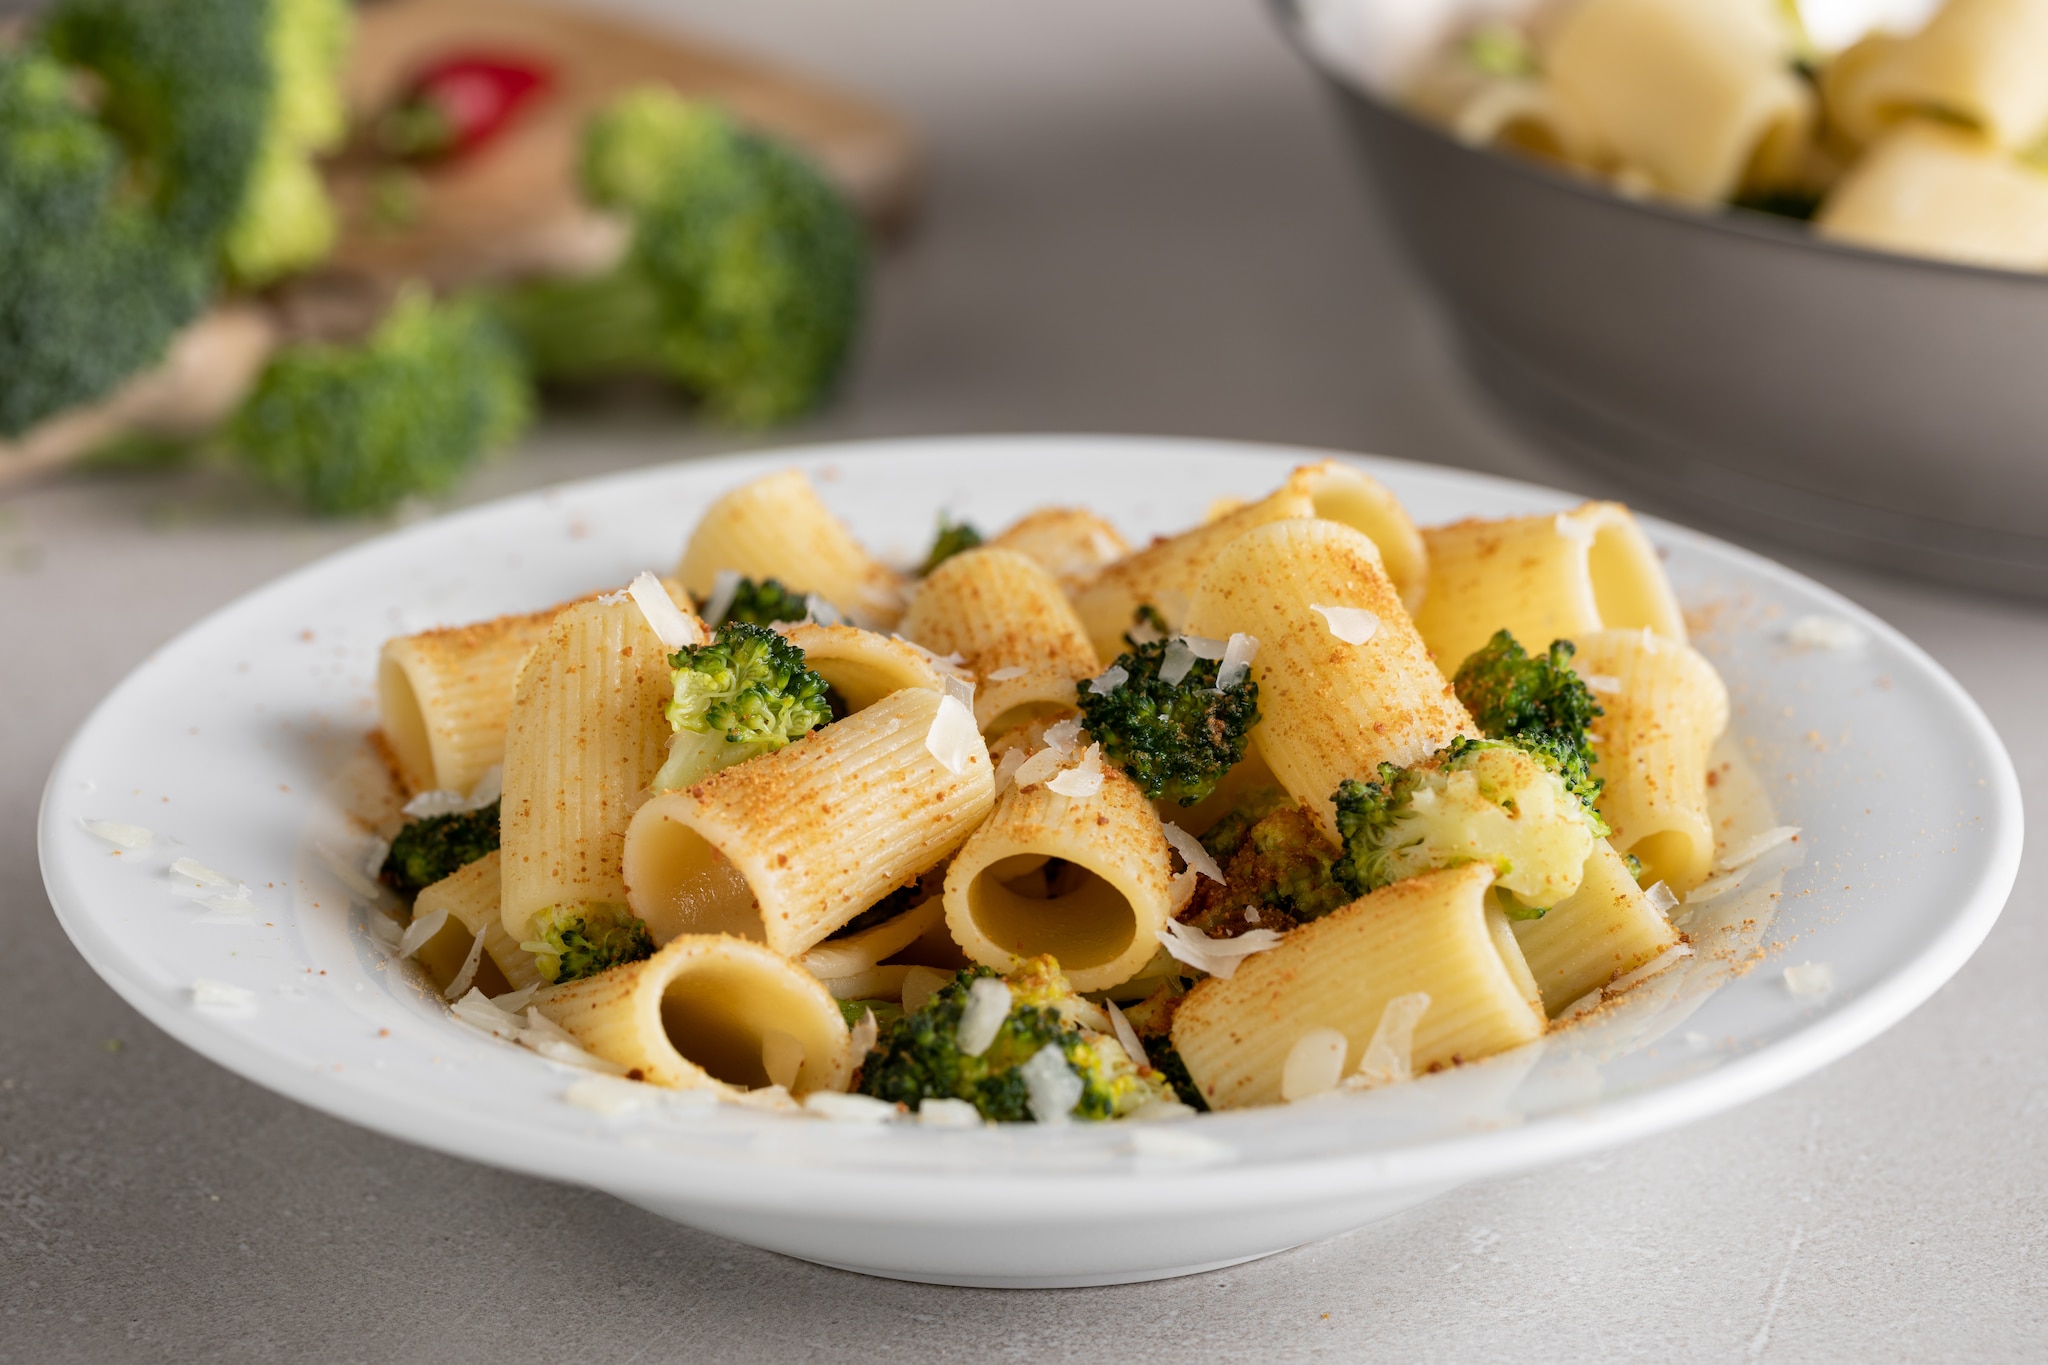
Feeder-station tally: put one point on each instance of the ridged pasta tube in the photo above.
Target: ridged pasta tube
(862, 666)
(1328, 709)
(1070, 543)
(1557, 576)
(1605, 928)
(586, 737)
(1664, 707)
(775, 527)
(710, 1012)
(1439, 933)
(1100, 915)
(786, 847)
(1166, 573)
(1007, 616)
(1977, 62)
(1339, 493)
(471, 898)
(1930, 189)
(444, 697)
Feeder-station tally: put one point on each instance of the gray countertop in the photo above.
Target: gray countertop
(1138, 217)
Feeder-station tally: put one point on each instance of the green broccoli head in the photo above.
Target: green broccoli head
(920, 1058)
(1474, 800)
(223, 104)
(1176, 736)
(745, 277)
(762, 603)
(94, 284)
(952, 538)
(355, 428)
(1277, 870)
(438, 846)
(1167, 1062)
(1536, 703)
(744, 694)
(571, 942)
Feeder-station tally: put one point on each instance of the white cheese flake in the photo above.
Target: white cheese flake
(1824, 632)
(1006, 771)
(1314, 1065)
(959, 689)
(1178, 663)
(1216, 956)
(954, 737)
(219, 997)
(1572, 528)
(442, 802)
(557, 1044)
(948, 1113)
(610, 1096)
(423, 928)
(1126, 1036)
(1181, 890)
(194, 880)
(1084, 779)
(1238, 654)
(512, 1002)
(1749, 850)
(842, 1108)
(861, 1041)
(1050, 1086)
(479, 1011)
(819, 612)
(725, 586)
(1601, 682)
(1109, 680)
(1010, 674)
(1191, 851)
(1158, 1111)
(375, 851)
(1663, 961)
(1037, 768)
(1205, 648)
(1810, 978)
(1144, 632)
(120, 835)
(988, 1004)
(1352, 625)
(1662, 898)
(663, 616)
(348, 871)
(954, 663)
(1064, 736)
(467, 975)
(1389, 1057)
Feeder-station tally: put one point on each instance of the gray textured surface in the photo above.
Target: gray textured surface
(1139, 219)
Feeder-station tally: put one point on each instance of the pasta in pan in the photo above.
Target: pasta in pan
(1302, 800)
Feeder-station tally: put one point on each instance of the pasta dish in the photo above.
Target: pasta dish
(1300, 801)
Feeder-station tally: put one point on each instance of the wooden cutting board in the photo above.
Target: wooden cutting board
(511, 208)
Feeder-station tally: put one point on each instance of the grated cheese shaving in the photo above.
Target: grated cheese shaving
(480, 1012)
(222, 998)
(463, 978)
(1191, 851)
(1216, 956)
(954, 737)
(819, 612)
(1670, 957)
(1238, 654)
(1082, 780)
(1037, 768)
(1810, 978)
(841, 1108)
(1109, 680)
(1144, 633)
(948, 1113)
(1314, 1065)
(1824, 632)
(610, 1096)
(1180, 891)
(1571, 528)
(118, 834)
(954, 663)
(1007, 770)
(420, 930)
(1662, 898)
(1159, 1111)
(1050, 1086)
(443, 802)
(1352, 625)
(724, 587)
(1063, 736)
(864, 1036)
(194, 880)
(988, 1004)
(348, 873)
(514, 1001)
(1179, 661)
(663, 616)
(1014, 671)
(1389, 1056)
(1752, 849)
(552, 1041)
(1601, 682)
(1126, 1036)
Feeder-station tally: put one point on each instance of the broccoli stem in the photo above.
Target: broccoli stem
(582, 329)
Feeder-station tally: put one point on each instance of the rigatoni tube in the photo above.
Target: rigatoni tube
(708, 1011)
(1070, 543)
(1439, 934)
(1006, 615)
(470, 895)
(1605, 928)
(1084, 878)
(585, 738)
(444, 697)
(1339, 493)
(775, 527)
(1331, 706)
(785, 848)
(862, 666)
(1558, 576)
(1664, 707)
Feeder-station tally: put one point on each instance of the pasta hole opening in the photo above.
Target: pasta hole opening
(1059, 907)
(737, 1023)
(679, 882)
(1011, 717)
(1338, 497)
(1626, 580)
(405, 724)
(1668, 856)
(858, 685)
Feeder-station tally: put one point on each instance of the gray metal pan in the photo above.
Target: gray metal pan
(1880, 407)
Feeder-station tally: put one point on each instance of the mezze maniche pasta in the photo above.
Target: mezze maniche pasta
(1303, 799)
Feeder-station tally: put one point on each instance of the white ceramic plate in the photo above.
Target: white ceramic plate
(224, 741)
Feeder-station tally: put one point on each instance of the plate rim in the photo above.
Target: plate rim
(1044, 1196)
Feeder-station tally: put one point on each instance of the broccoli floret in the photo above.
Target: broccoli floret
(952, 538)
(92, 285)
(920, 1058)
(224, 103)
(354, 428)
(1177, 739)
(1166, 1061)
(571, 942)
(745, 276)
(746, 693)
(763, 603)
(886, 1013)
(1277, 874)
(1535, 703)
(1475, 800)
(438, 846)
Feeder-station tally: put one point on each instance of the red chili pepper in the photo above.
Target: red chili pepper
(458, 104)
